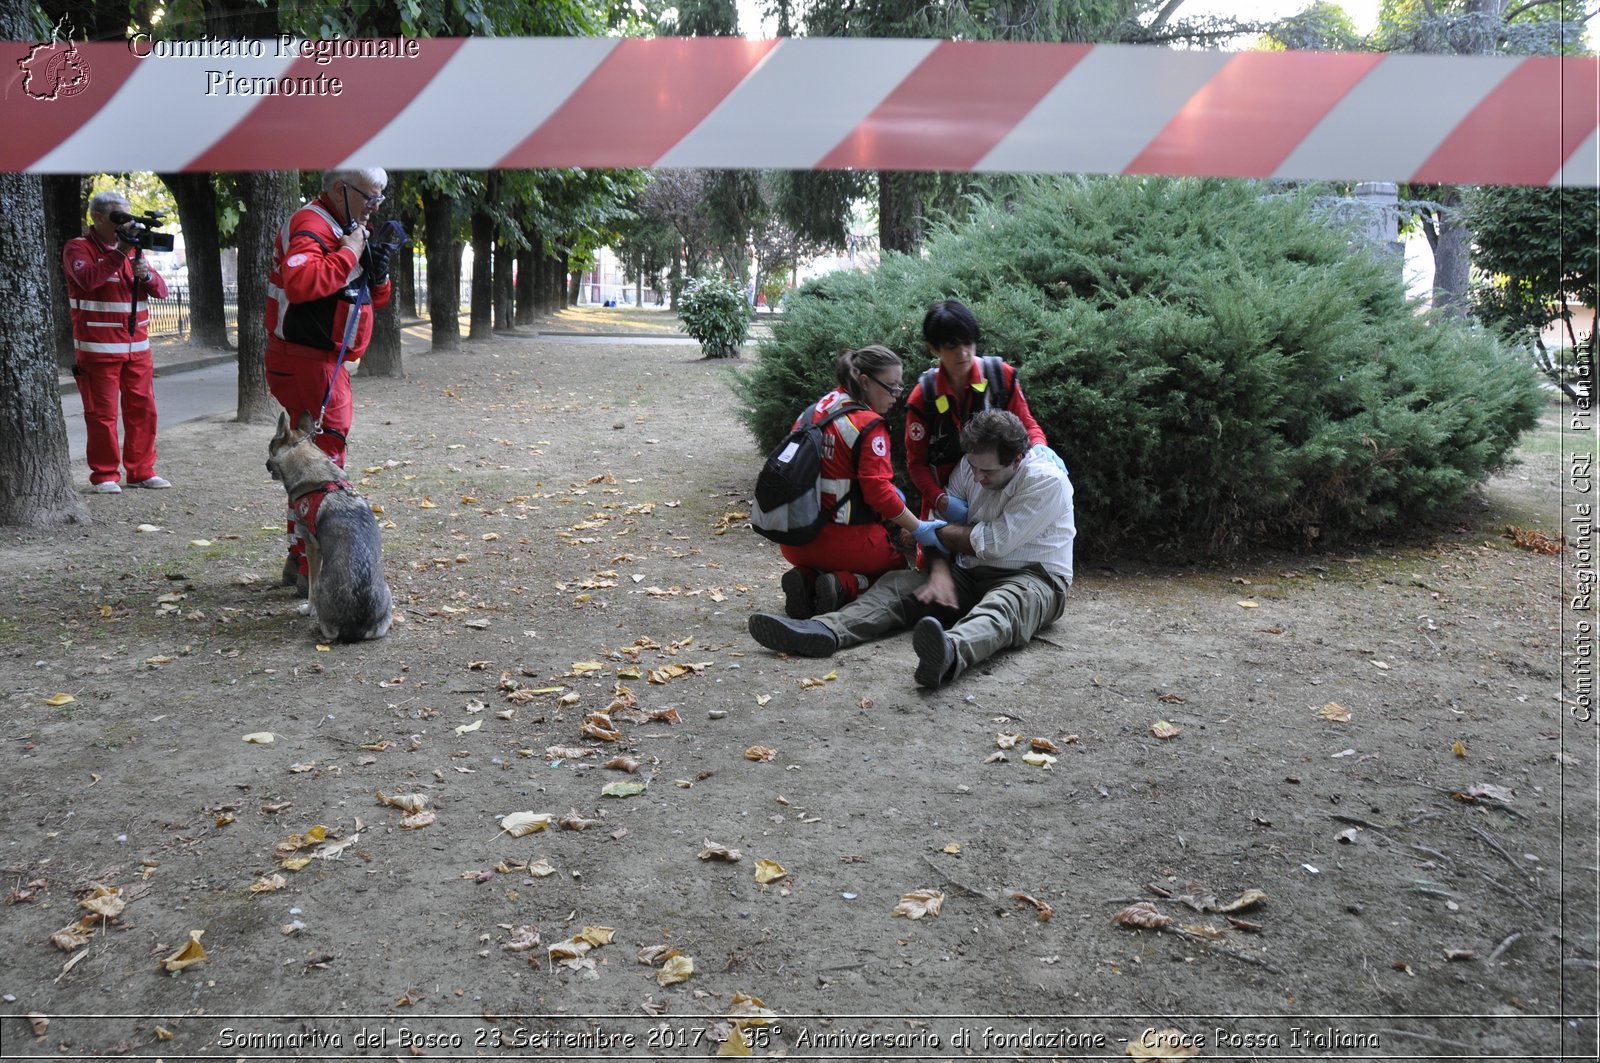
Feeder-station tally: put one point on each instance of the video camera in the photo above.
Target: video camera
(140, 231)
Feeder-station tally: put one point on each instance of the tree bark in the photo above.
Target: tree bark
(1452, 254)
(35, 479)
(481, 314)
(502, 286)
(444, 300)
(524, 293)
(573, 280)
(196, 197)
(64, 211)
(404, 266)
(899, 212)
(268, 198)
(384, 357)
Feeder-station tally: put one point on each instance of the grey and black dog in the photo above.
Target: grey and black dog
(344, 553)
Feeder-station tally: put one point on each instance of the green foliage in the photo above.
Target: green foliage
(1539, 244)
(1537, 248)
(1217, 367)
(713, 311)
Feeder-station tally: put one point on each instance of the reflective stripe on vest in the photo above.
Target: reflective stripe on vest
(840, 489)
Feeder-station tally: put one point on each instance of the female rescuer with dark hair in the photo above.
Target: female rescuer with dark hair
(854, 548)
(947, 396)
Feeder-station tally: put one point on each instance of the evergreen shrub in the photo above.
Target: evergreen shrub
(713, 311)
(1217, 367)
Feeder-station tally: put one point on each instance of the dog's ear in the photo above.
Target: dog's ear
(281, 436)
(307, 425)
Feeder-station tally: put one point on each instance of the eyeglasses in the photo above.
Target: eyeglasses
(894, 390)
(373, 199)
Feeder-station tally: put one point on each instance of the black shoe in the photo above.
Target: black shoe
(806, 638)
(829, 594)
(936, 654)
(797, 595)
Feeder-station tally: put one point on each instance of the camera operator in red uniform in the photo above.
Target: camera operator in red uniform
(327, 278)
(108, 286)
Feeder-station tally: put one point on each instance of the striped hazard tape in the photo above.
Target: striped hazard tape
(799, 103)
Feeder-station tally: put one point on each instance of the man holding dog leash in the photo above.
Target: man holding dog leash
(328, 276)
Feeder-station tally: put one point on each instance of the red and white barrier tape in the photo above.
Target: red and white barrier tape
(803, 103)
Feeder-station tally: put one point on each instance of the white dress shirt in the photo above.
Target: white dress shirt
(1028, 521)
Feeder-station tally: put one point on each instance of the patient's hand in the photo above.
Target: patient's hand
(940, 586)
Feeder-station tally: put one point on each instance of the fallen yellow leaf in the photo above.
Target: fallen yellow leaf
(58, 700)
(188, 956)
(519, 823)
(675, 970)
(769, 871)
(1335, 712)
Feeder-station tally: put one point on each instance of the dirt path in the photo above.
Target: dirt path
(566, 518)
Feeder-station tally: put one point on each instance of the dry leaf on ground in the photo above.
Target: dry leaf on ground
(1335, 712)
(188, 956)
(519, 823)
(1164, 729)
(919, 903)
(404, 802)
(1045, 911)
(677, 969)
(769, 871)
(1245, 900)
(1141, 914)
(713, 851)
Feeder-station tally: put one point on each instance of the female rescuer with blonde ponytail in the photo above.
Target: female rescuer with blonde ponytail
(855, 547)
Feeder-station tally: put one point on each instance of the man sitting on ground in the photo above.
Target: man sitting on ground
(1011, 570)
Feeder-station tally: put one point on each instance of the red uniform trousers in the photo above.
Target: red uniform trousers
(103, 386)
(298, 380)
(848, 551)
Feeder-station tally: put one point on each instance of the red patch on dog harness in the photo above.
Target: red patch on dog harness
(307, 505)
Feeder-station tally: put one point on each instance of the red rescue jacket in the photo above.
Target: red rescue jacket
(100, 295)
(313, 286)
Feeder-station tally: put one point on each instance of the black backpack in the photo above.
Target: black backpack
(788, 506)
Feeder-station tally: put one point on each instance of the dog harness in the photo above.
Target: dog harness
(306, 505)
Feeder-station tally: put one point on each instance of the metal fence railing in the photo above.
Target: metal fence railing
(170, 316)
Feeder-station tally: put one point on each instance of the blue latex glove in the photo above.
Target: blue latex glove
(926, 534)
(955, 509)
(1045, 451)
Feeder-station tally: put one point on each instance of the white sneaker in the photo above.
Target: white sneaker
(107, 487)
(153, 483)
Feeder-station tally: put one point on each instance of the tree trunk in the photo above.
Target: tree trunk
(525, 271)
(899, 212)
(196, 197)
(480, 317)
(383, 357)
(35, 479)
(574, 280)
(404, 266)
(444, 300)
(64, 211)
(1452, 253)
(543, 266)
(503, 277)
(269, 198)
